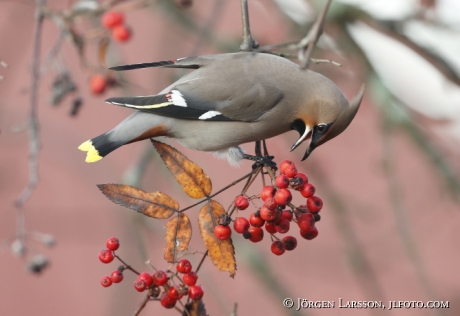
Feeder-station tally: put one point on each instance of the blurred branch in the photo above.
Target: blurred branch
(401, 118)
(400, 213)
(33, 125)
(357, 260)
(249, 44)
(306, 45)
(208, 27)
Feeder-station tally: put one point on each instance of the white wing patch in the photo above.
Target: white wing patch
(177, 98)
(209, 115)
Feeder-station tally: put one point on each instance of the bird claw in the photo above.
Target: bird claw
(266, 161)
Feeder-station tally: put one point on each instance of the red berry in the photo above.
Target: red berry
(282, 226)
(147, 278)
(257, 234)
(289, 242)
(241, 225)
(184, 266)
(106, 256)
(284, 164)
(287, 214)
(310, 233)
(270, 227)
(167, 302)
(140, 285)
(111, 19)
(160, 278)
(98, 84)
(116, 276)
(121, 33)
(190, 278)
(270, 203)
(308, 190)
(106, 281)
(222, 232)
(268, 214)
(283, 196)
(241, 202)
(314, 204)
(304, 178)
(113, 243)
(290, 171)
(175, 292)
(267, 191)
(282, 181)
(277, 247)
(306, 221)
(256, 221)
(195, 292)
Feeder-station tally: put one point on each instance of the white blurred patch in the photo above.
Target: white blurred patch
(386, 9)
(300, 11)
(407, 75)
(439, 40)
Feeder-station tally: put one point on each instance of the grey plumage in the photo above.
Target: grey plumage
(231, 99)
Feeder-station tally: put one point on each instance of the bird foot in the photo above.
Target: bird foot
(266, 161)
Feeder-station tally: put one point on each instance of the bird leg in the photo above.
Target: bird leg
(266, 161)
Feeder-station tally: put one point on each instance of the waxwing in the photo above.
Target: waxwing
(232, 99)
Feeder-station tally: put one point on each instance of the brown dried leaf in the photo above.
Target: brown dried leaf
(190, 176)
(221, 252)
(156, 204)
(178, 235)
(195, 308)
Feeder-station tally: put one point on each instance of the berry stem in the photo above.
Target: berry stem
(221, 190)
(127, 266)
(142, 305)
(201, 262)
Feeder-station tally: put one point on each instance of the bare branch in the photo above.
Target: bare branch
(33, 128)
(325, 61)
(307, 44)
(249, 44)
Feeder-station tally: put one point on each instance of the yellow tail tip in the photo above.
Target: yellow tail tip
(86, 146)
(93, 156)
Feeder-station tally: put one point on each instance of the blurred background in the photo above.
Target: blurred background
(390, 183)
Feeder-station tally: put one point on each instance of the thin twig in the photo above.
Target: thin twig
(142, 305)
(308, 43)
(220, 191)
(33, 128)
(249, 44)
(325, 61)
(127, 266)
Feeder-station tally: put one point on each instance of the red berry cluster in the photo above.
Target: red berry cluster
(113, 21)
(107, 256)
(159, 279)
(273, 214)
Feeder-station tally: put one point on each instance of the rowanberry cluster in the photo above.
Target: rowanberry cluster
(161, 283)
(114, 21)
(273, 215)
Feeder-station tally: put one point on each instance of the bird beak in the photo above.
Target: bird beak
(306, 136)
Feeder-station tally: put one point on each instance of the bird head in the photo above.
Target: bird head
(324, 117)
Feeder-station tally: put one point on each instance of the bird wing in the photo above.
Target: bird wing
(247, 106)
(188, 62)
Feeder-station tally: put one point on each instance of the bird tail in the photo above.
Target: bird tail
(99, 147)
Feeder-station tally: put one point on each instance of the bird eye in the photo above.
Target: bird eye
(321, 128)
